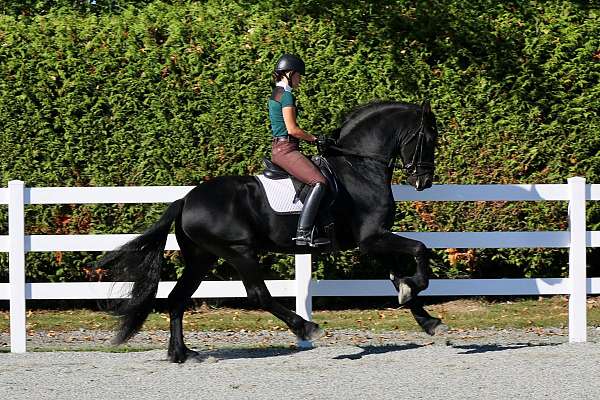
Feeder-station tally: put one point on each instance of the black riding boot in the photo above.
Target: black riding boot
(304, 236)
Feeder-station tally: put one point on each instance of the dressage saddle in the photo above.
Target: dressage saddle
(275, 172)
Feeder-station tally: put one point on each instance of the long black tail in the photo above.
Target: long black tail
(140, 261)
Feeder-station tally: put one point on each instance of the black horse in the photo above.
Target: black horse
(229, 218)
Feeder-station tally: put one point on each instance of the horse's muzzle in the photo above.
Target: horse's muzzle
(423, 183)
(420, 182)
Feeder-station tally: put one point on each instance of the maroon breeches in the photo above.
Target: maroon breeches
(286, 154)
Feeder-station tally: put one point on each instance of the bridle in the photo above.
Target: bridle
(411, 167)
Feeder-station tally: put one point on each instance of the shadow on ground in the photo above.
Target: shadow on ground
(487, 348)
(269, 352)
(252, 353)
(371, 350)
(468, 349)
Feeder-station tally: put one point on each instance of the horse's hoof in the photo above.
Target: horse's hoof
(435, 327)
(394, 280)
(404, 293)
(312, 332)
(440, 329)
(180, 357)
(316, 334)
(404, 290)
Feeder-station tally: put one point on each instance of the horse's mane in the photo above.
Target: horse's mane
(364, 111)
(375, 106)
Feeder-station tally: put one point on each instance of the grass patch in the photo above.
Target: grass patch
(459, 314)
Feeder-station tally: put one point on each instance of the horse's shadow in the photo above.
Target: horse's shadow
(469, 349)
(241, 353)
(371, 350)
(271, 352)
(487, 348)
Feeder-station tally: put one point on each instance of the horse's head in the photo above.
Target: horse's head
(384, 131)
(417, 149)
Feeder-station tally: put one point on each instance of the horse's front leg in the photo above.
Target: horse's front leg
(409, 287)
(431, 325)
(388, 243)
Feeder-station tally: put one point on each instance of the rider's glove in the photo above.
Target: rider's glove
(323, 142)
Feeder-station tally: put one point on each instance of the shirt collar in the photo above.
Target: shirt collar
(284, 85)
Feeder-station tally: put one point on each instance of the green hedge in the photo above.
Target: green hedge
(174, 93)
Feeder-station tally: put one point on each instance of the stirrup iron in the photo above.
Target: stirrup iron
(310, 239)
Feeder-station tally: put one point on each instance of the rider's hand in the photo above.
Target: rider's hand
(323, 142)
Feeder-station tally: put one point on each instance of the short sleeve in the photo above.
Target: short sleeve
(287, 100)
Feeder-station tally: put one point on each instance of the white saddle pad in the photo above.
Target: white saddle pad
(281, 193)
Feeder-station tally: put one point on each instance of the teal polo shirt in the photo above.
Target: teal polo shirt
(287, 99)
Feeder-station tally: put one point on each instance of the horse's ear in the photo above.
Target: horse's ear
(426, 106)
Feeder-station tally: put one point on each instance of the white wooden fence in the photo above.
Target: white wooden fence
(577, 238)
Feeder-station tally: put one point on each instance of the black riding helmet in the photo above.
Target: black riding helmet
(289, 62)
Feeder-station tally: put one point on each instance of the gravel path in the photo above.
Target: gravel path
(210, 340)
(503, 364)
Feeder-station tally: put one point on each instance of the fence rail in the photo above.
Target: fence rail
(577, 239)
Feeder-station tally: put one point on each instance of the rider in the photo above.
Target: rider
(286, 143)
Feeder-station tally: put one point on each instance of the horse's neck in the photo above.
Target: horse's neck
(367, 145)
(361, 175)
(365, 195)
(377, 132)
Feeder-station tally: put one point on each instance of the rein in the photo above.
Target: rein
(371, 156)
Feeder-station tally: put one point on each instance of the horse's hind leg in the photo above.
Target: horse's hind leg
(246, 263)
(197, 262)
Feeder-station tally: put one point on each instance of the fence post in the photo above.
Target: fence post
(16, 265)
(303, 292)
(577, 261)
